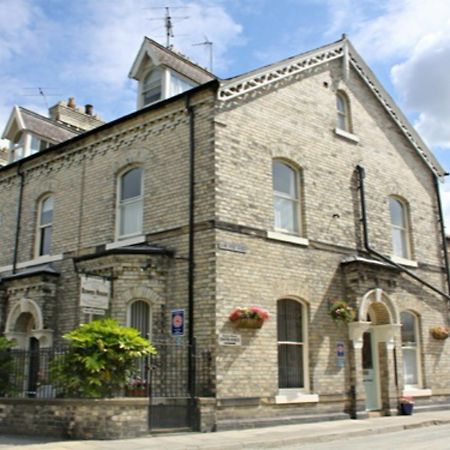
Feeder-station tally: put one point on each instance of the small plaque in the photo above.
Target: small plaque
(230, 340)
(94, 311)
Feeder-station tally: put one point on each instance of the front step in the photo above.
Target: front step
(371, 414)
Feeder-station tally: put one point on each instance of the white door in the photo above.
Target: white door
(370, 372)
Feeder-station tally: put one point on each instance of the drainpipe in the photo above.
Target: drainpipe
(18, 218)
(370, 250)
(191, 363)
(442, 227)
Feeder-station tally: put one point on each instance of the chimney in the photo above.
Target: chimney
(71, 102)
(88, 109)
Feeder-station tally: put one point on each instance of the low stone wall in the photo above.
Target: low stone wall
(73, 418)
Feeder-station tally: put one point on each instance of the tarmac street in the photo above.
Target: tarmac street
(428, 430)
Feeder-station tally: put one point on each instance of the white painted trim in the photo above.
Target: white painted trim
(345, 134)
(287, 238)
(416, 392)
(404, 261)
(294, 396)
(125, 242)
(40, 260)
(6, 268)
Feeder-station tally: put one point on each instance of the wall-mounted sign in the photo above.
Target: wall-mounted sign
(177, 322)
(230, 340)
(232, 247)
(94, 292)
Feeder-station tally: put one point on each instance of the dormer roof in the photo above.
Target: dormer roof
(153, 54)
(22, 119)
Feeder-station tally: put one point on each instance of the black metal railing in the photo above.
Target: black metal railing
(29, 374)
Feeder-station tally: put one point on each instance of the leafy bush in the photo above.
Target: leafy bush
(100, 359)
(6, 366)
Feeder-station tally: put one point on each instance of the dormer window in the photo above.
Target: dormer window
(161, 83)
(37, 145)
(17, 147)
(152, 87)
(179, 85)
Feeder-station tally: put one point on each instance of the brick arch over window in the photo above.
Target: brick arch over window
(143, 293)
(380, 305)
(24, 321)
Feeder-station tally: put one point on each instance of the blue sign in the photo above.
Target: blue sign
(340, 353)
(177, 322)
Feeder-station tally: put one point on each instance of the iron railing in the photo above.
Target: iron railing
(28, 373)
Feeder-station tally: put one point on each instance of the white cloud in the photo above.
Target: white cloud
(423, 82)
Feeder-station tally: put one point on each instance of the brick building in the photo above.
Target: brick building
(288, 188)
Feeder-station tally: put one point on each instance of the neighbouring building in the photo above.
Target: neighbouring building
(289, 188)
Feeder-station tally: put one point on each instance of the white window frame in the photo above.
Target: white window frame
(295, 200)
(162, 71)
(150, 314)
(40, 226)
(417, 347)
(404, 230)
(294, 392)
(343, 115)
(134, 200)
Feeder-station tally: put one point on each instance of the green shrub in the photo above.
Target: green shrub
(6, 366)
(100, 359)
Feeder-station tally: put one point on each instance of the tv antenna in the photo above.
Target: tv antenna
(209, 44)
(41, 93)
(168, 21)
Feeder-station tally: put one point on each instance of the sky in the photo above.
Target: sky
(85, 48)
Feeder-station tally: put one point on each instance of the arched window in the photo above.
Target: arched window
(286, 198)
(343, 112)
(130, 203)
(152, 87)
(139, 317)
(45, 225)
(399, 228)
(292, 345)
(411, 349)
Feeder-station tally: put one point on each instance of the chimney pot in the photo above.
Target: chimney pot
(88, 109)
(71, 102)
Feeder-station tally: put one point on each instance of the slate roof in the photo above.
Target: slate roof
(174, 60)
(46, 128)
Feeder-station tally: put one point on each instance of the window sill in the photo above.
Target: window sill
(40, 260)
(276, 236)
(295, 397)
(346, 135)
(416, 392)
(404, 261)
(125, 242)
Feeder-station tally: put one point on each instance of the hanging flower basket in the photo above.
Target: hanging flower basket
(440, 333)
(341, 311)
(251, 318)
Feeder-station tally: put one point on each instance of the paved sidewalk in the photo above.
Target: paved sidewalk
(257, 438)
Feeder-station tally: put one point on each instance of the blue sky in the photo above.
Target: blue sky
(85, 48)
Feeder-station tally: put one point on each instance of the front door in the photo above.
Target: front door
(370, 372)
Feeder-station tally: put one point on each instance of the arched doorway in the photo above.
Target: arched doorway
(373, 334)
